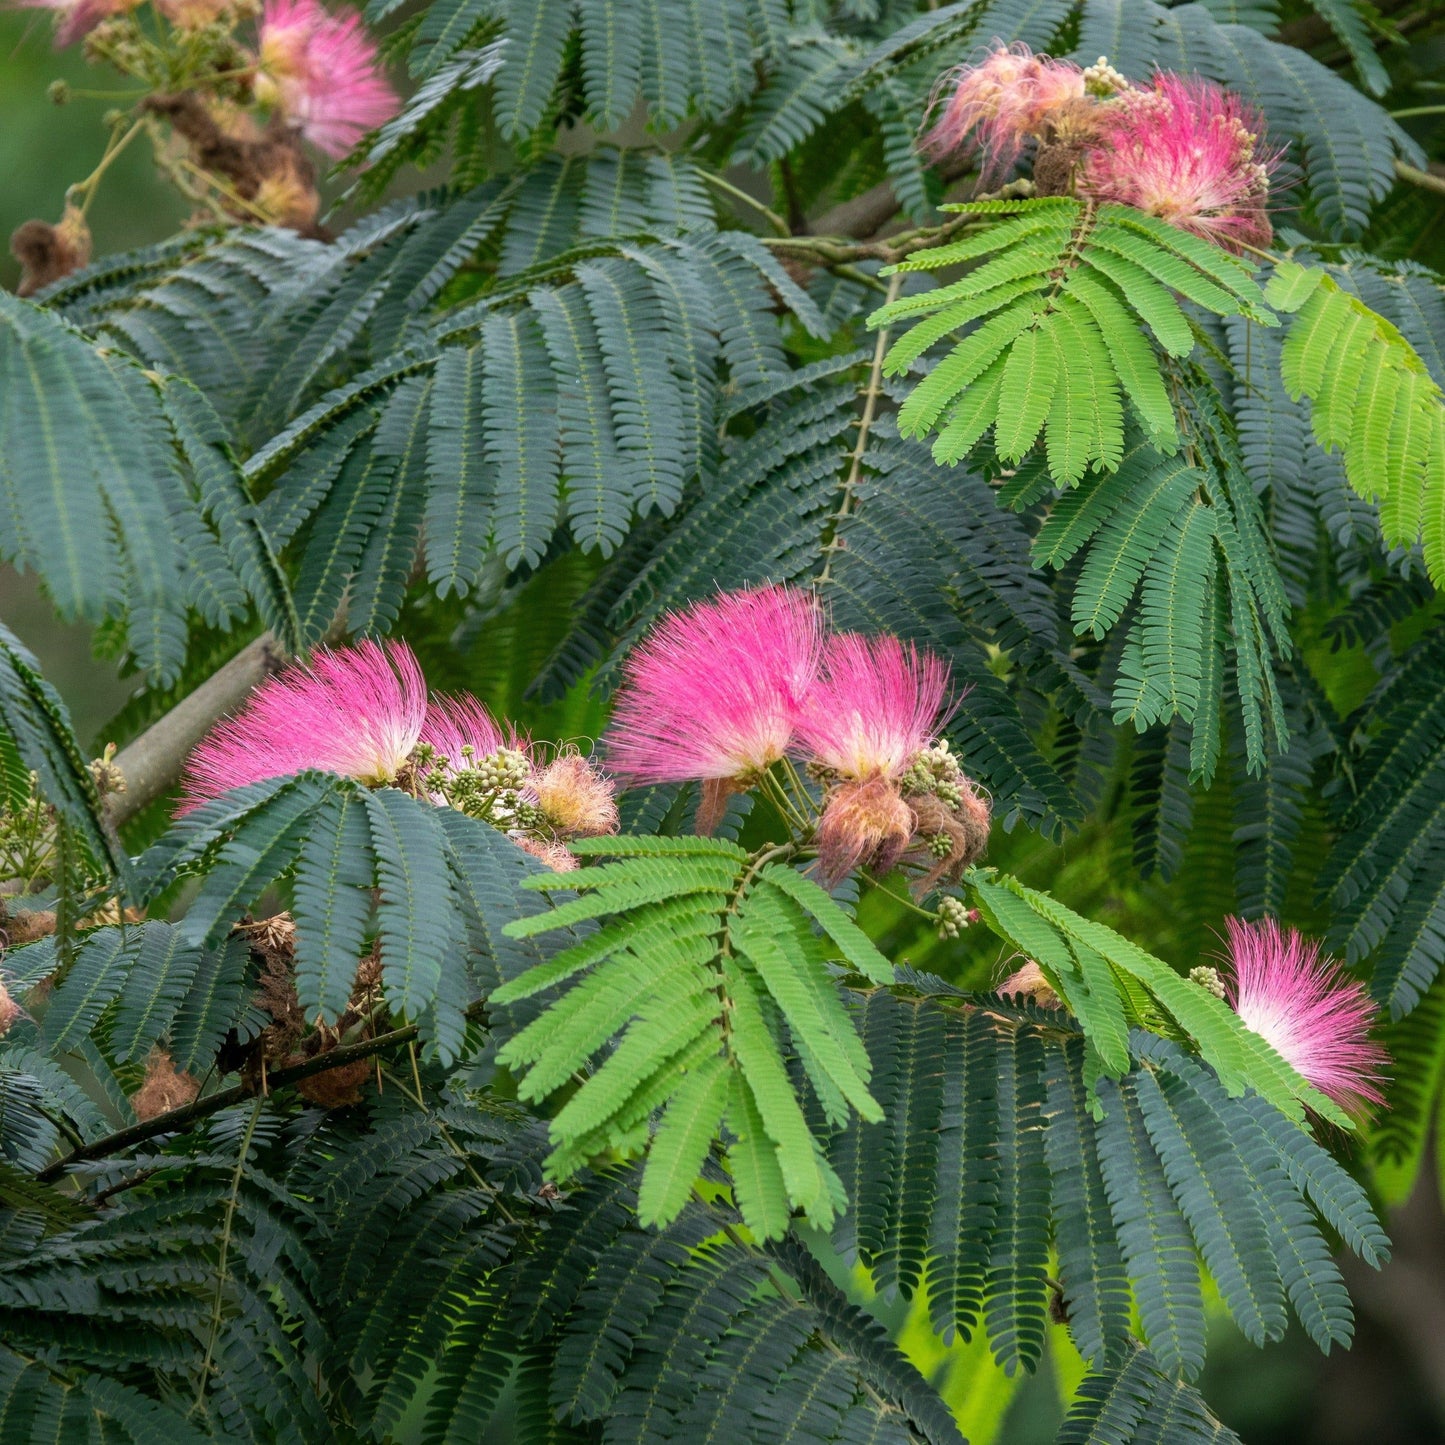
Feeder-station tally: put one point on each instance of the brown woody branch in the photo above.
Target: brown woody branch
(175, 1120)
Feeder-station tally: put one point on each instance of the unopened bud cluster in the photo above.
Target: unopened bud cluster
(935, 770)
(1208, 979)
(1102, 79)
(487, 787)
(954, 916)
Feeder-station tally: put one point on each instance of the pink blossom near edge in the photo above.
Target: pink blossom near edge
(1316, 1017)
(357, 711)
(77, 18)
(322, 70)
(1189, 152)
(998, 104)
(715, 692)
(454, 724)
(875, 705)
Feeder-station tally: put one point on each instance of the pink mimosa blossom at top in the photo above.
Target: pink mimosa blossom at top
(1188, 152)
(322, 71)
(999, 104)
(454, 724)
(1316, 1016)
(358, 711)
(876, 704)
(75, 18)
(715, 692)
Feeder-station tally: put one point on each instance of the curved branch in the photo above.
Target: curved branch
(175, 1120)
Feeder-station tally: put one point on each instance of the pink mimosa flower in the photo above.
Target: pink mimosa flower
(999, 104)
(574, 798)
(322, 71)
(875, 706)
(714, 693)
(1316, 1017)
(192, 14)
(1188, 152)
(455, 724)
(864, 822)
(554, 855)
(358, 712)
(75, 18)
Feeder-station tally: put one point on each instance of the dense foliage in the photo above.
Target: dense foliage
(343, 1104)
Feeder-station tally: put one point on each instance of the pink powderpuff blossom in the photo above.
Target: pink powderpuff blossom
(1316, 1017)
(574, 798)
(75, 18)
(554, 855)
(358, 711)
(714, 693)
(874, 707)
(321, 71)
(999, 104)
(865, 822)
(1188, 152)
(192, 14)
(455, 724)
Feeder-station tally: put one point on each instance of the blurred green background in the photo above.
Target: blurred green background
(1389, 1390)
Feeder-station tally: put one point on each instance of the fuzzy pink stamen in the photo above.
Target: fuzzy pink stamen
(1316, 1017)
(715, 692)
(875, 705)
(357, 711)
(1188, 152)
(322, 71)
(995, 107)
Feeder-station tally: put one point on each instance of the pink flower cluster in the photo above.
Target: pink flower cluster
(721, 692)
(320, 70)
(998, 106)
(1316, 1017)
(317, 70)
(363, 712)
(1182, 149)
(1187, 152)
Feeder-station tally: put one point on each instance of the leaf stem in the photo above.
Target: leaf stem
(834, 543)
(113, 148)
(218, 1303)
(721, 183)
(1416, 177)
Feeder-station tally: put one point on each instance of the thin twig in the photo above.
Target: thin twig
(1424, 179)
(724, 185)
(86, 188)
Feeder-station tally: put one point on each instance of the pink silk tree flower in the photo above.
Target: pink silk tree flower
(76, 18)
(1188, 152)
(996, 106)
(455, 724)
(574, 798)
(874, 708)
(321, 70)
(554, 855)
(192, 14)
(714, 693)
(1316, 1017)
(357, 711)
